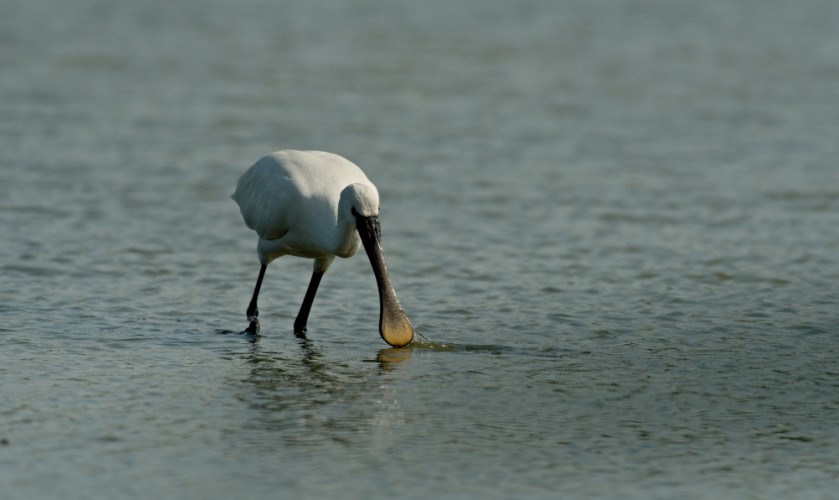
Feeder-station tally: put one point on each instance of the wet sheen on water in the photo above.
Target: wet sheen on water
(614, 226)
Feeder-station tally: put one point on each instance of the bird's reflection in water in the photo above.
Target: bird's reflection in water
(305, 397)
(390, 359)
(389, 416)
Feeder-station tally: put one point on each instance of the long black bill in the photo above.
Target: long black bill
(394, 325)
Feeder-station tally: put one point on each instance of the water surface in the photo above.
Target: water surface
(614, 224)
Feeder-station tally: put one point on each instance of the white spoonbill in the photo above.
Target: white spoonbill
(316, 205)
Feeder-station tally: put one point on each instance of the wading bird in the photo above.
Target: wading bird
(317, 205)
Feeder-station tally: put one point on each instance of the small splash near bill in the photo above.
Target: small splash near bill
(421, 342)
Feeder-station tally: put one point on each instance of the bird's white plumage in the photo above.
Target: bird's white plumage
(300, 203)
(320, 206)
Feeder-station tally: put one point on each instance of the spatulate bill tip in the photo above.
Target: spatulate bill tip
(396, 329)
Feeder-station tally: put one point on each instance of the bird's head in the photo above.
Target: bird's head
(359, 200)
(362, 201)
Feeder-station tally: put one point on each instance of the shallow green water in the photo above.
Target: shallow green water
(615, 224)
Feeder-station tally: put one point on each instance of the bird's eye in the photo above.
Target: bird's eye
(354, 213)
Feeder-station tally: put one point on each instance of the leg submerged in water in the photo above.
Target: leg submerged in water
(306, 306)
(253, 312)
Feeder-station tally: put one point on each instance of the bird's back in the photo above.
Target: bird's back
(285, 189)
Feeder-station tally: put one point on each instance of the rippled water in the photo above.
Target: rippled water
(614, 224)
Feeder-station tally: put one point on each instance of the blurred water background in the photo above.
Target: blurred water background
(614, 223)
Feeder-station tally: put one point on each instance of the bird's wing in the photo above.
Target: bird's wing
(265, 195)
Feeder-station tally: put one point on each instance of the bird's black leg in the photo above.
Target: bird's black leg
(303, 315)
(253, 311)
